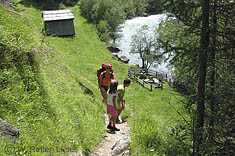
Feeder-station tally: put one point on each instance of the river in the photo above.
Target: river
(128, 29)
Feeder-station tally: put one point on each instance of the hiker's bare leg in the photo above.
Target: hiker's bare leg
(110, 121)
(114, 120)
(118, 113)
(104, 94)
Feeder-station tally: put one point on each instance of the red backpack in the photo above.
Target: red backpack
(102, 68)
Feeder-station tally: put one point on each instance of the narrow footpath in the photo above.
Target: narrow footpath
(116, 143)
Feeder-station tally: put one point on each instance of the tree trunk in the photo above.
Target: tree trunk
(212, 74)
(204, 47)
(143, 63)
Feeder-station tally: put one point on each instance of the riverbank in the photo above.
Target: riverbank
(130, 28)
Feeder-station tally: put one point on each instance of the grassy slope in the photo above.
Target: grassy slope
(79, 117)
(56, 113)
(85, 53)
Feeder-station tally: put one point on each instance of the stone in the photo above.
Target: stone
(124, 59)
(121, 146)
(87, 90)
(114, 49)
(121, 58)
(8, 130)
(177, 21)
(79, 153)
(115, 54)
(144, 14)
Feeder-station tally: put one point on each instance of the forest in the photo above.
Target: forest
(203, 56)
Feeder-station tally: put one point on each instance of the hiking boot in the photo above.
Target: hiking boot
(110, 127)
(116, 129)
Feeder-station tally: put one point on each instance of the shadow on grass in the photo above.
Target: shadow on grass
(49, 4)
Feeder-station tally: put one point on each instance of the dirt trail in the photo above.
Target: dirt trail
(116, 143)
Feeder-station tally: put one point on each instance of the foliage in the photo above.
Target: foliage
(183, 44)
(38, 97)
(23, 101)
(17, 75)
(115, 12)
(153, 119)
(146, 46)
(140, 6)
(87, 10)
(115, 15)
(103, 32)
(180, 46)
(48, 4)
(111, 11)
(154, 6)
(56, 112)
(108, 11)
(129, 8)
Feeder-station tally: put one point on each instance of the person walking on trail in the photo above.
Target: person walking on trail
(104, 81)
(112, 95)
(121, 93)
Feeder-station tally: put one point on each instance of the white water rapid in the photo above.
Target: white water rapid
(130, 28)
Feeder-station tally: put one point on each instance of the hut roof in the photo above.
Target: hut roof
(57, 15)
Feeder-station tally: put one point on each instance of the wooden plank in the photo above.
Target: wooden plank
(57, 11)
(135, 70)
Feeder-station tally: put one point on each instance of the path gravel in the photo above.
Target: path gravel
(115, 143)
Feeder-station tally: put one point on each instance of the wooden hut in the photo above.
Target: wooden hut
(58, 22)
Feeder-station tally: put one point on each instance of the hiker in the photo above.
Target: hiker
(121, 93)
(111, 104)
(104, 81)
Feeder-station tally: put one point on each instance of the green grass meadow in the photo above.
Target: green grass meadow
(61, 115)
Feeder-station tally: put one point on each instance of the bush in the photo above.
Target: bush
(103, 30)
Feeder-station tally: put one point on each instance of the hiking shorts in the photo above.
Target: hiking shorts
(104, 88)
(111, 110)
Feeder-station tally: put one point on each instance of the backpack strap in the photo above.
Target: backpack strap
(111, 76)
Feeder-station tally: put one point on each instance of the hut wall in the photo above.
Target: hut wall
(60, 27)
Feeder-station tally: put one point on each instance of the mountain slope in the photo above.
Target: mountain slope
(41, 93)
